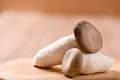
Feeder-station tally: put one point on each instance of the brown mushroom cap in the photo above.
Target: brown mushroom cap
(72, 62)
(88, 37)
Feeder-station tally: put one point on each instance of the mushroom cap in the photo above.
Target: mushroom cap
(72, 62)
(88, 37)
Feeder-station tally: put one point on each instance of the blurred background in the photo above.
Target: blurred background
(26, 26)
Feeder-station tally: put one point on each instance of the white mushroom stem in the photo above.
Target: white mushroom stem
(75, 62)
(53, 53)
(94, 63)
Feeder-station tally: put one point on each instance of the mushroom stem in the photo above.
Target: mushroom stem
(76, 62)
(53, 53)
(94, 63)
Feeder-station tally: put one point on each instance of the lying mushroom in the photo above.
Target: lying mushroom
(75, 63)
(53, 53)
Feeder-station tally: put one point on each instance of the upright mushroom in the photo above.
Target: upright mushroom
(87, 38)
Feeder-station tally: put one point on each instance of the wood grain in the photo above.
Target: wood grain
(23, 69)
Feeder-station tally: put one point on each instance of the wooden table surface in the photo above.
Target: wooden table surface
(23, 69)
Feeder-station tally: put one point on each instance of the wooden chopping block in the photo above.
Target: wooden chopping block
(23, 69)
